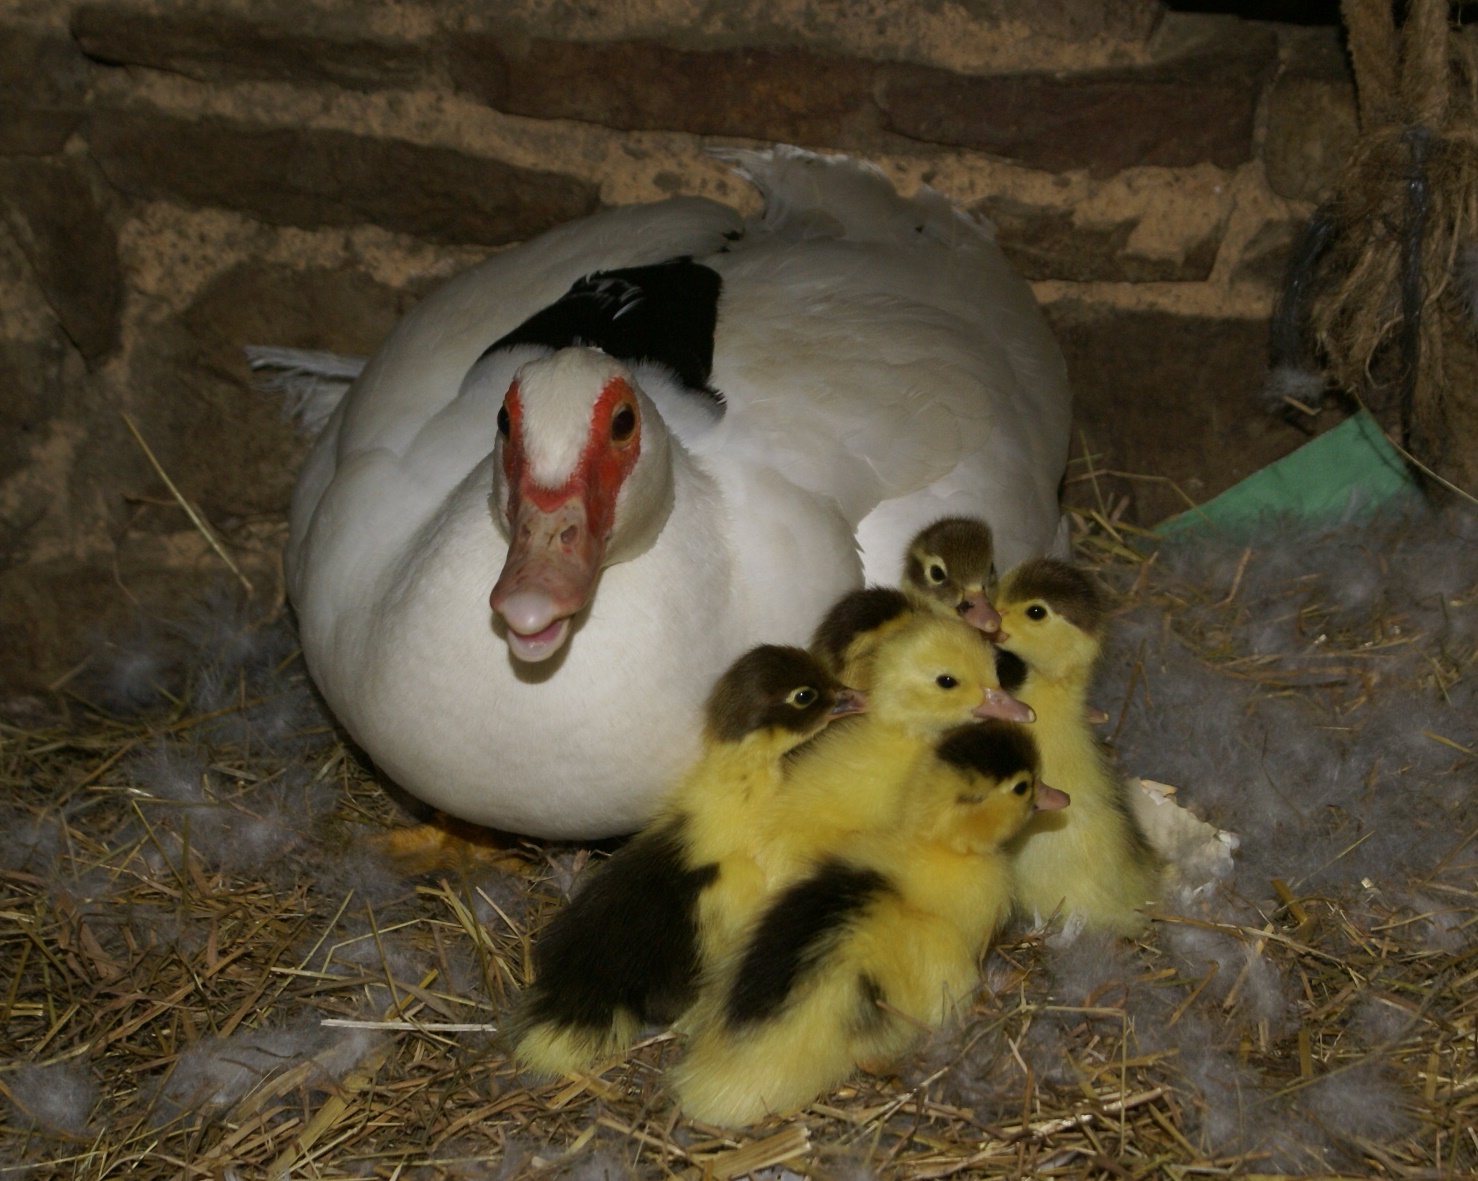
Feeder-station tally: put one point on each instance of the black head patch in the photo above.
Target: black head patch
(853, 615)
(1064, 588)
(995, 749)
(771, 687)
(665, 313)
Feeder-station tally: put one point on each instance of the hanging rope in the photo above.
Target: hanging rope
(1372, 281)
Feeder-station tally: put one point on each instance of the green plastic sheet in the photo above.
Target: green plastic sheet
(1344, 474)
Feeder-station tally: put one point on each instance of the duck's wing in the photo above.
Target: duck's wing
(880, 350)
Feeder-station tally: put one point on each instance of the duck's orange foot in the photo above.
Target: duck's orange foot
(449, 844)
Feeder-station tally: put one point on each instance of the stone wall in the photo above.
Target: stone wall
(181, 179)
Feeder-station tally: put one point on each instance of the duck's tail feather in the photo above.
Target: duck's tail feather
(311, 381)
(809, 195)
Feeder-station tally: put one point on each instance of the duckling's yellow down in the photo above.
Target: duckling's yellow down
(929, 675)
(1091, 860)
(724, 806)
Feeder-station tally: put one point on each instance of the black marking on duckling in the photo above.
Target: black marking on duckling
(1070, 591)
(770, 687)
(794, 936)
(665, 313)
(853, 615)
(995, 749)
(1010, 670)
(651, 899)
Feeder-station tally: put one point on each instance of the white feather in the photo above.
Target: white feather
(311, 381)
(215, 1073)
(59, 1096)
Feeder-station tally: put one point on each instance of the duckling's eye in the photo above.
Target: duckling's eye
(1036, 611)
(504, 426)
(936, 573)
(623, 424)
(1021, 788)
(945, 681)
(802, 697)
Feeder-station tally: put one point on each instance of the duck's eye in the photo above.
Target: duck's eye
(623, 424)
(504, 425)
(802, 697)
(1036, 611)
(1021, 788)
(936, 573)
(945, 681)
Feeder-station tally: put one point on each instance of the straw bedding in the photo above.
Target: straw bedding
(213, 968)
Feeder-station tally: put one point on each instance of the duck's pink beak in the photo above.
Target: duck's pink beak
(1049, 799)
(1000, 704)
(558, 535)
(849, 701)
(977, 610)
(553, 562)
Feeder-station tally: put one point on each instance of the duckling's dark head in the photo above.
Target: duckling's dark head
(995, 750)
(1061, 589)
(1054, 620)
(856, 614)
(773, 687)
(950, 567)
(1001, 764)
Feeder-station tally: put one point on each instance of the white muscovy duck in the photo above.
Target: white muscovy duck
(578, 480)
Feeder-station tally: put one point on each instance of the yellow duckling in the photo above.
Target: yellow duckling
(626, 950)
(929, 675)
(1092, 861)
(948, 569)
(848, 963)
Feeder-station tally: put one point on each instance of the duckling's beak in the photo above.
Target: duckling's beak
(1049, 799)
(977, 610)
(1000, 704)
(849, 701)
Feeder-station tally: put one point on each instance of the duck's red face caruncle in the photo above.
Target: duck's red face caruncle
(563, 481)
